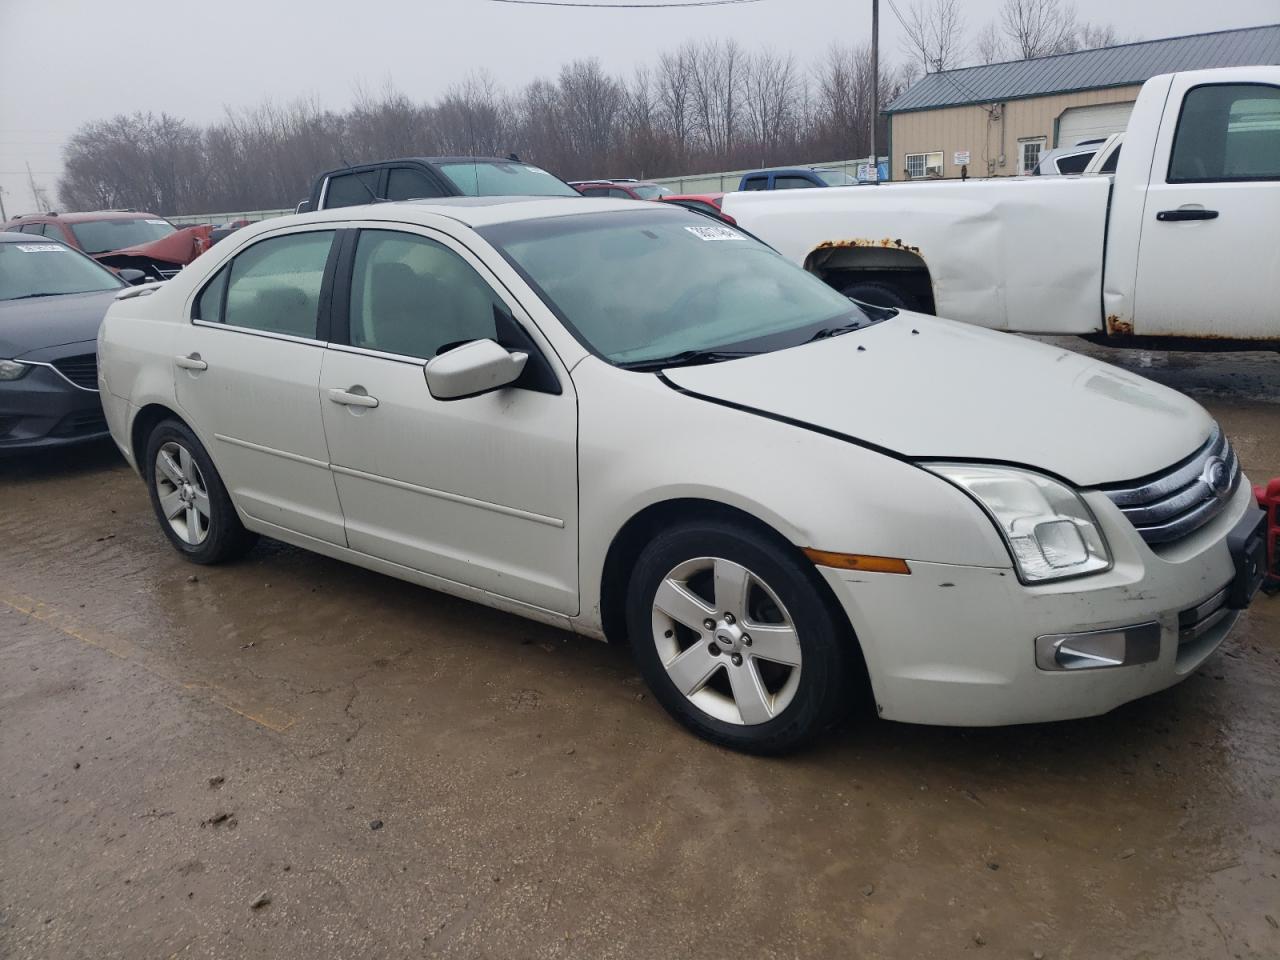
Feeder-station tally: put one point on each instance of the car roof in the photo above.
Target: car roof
(85, 216)
(472, 211)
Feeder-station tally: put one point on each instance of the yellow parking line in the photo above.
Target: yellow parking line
(122, 649)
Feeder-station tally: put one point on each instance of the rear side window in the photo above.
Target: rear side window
(351, 189)
(33, 228)
(414, 297)
(273, 286)
(756, 183)
(406, 183)
(1227, 131)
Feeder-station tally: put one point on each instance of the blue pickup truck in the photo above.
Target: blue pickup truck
(797, 178)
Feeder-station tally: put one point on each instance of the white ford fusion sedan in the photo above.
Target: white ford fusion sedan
(632, 421)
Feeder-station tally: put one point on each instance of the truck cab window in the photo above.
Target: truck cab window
(1227, 131)
(406, 183)
(351, 189)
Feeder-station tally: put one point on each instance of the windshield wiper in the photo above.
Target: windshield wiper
(687, 358)
(28, 296)
(827, 332)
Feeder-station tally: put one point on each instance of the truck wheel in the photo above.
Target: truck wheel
(735, 640)
(880, 294)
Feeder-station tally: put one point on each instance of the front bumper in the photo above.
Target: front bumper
(957, 645)
(45, 409)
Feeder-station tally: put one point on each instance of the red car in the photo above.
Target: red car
(120, 239)
(622, 189)
(708, 203)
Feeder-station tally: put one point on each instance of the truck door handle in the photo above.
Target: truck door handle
(1186, 213)
(348, 399)
(191, 362)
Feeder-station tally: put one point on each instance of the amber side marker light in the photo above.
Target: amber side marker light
(857, 561)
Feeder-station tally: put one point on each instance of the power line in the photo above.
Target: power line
(625, 6)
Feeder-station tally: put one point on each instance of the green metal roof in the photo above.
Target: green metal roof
(1118, 66)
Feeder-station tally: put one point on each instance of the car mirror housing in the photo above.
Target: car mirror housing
(472, 369)
(131, 276)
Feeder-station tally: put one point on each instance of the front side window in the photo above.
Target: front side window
(651, 191)
(415, 297)
(1227, 131)
(719, 289)
(921, 165)
(837, 178)
(103, 236)
(351, 189)
(504, 179)
(44, 269)
(1109, 164)
(273, 286)
(406, 183)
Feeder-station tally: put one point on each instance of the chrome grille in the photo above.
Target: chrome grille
(1183, 498)
(1195, 622)
(82, 370)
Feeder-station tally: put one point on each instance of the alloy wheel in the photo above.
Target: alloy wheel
(183, 496)
(727, 642)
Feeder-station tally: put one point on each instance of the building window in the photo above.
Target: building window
(924, 165)
(1029, 154)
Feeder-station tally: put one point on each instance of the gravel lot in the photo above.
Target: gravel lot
(290, 757)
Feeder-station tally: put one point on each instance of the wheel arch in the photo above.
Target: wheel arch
(643, 526)
(144, 421)
(839, 263)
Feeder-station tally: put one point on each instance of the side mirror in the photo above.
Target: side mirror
(131, 276)
(472, 369)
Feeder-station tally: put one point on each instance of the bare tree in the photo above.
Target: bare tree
(989, 45)
(934, 34)
(770, 94)
(674, 83)
(1037, 28)
(715, 73)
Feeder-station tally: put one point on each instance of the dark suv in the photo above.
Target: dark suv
(424, 178)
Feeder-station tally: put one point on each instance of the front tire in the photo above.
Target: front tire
(189, 498)
(736, 640)
(880, 294)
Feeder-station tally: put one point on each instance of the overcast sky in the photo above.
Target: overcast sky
(65, 62)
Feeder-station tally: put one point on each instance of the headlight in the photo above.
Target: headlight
(1050, 531)
(12, 369)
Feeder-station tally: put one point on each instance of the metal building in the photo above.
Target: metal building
(997, 119)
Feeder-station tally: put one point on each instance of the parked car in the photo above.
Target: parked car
(795, 178)
(624, 190)
(1177, 249)
(708, 203)
(1098, 155)
(428, 178)
(498, 401)
(121, 239)
(52, 299)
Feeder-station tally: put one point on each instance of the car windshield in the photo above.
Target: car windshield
(47, 269)
(103, 236)
(489, 179)
(834, 178)
(719, 289)
(650, 191)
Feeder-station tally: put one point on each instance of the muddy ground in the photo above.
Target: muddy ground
(388, 772)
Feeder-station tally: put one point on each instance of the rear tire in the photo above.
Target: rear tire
(189, 498)
(735, 638)
(880, 294)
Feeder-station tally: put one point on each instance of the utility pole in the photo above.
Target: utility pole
(873, 172)
(3, 216)
(37, 193)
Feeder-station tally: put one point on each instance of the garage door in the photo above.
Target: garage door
(1086, 123)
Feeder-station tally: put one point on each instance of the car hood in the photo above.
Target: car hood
(44, 322)
(933, 389)
(179, 247)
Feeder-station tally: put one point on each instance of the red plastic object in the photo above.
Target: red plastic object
(1269, 500)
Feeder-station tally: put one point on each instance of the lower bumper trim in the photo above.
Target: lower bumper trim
(1098, 649)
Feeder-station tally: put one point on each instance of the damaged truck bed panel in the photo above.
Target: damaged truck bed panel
(1178, 245)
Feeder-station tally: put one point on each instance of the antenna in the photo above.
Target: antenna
(367, 189)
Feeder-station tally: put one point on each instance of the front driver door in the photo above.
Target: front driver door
(1207, 263)
(481, 491)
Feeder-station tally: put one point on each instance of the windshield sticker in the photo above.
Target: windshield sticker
(40, 247)
(715, 233)
(159, 223)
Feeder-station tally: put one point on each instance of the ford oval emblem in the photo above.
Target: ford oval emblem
(1217, 477)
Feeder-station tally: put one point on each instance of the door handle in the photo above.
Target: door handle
(348, 399)
(191, 362)
(1184, 213)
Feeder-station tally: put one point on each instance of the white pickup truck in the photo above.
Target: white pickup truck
(1180, 247)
